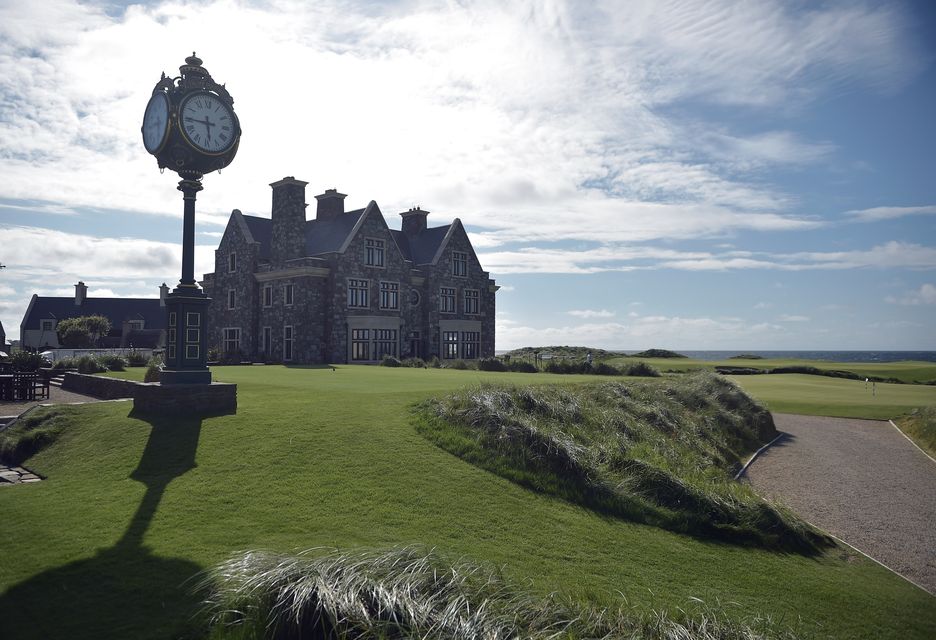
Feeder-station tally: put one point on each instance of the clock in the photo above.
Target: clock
(156, 122)
(208, 123)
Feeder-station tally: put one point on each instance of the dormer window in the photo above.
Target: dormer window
(375, 252)
(232, 262)
(459, 264)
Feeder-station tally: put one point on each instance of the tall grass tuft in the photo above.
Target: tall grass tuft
(663, 453)
(407, 593)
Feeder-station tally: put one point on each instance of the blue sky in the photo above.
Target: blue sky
(687, 175)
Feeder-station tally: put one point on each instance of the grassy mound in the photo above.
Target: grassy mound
(663, 454)
(657, 353)
(30, 435)
(563, 352)
(405, 593)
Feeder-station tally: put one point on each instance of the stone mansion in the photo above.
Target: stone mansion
(344, 287)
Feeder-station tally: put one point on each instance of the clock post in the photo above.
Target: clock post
(191, 128)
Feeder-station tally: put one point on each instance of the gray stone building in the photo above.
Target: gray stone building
(344, 287)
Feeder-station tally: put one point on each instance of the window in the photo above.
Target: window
(232, 262)
(135, 325)
(472, 296)
(268, 296)
(471, 344)
(447, 300)
(287, 343)
(47, 325)
(288, 295)
(414, 346)
(459, 264)
(450, 345)
(267, 338)
(385, 343)
(375, 252)
(357, 293)
(231, 298)
(360, 344)
(389, 295)
(231, 340)
(192, 319)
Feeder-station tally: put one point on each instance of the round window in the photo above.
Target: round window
(414, 297)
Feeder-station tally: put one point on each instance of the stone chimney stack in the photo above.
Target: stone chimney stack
(81, 293)
(163, 292)
(289, 205)
(414, 221)
(330, 204)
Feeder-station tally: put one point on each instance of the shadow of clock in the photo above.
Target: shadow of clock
(124, 591)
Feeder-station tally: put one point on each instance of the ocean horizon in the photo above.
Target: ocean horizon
(828, 356)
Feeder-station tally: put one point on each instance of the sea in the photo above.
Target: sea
(830, 356)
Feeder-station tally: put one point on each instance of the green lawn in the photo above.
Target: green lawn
(822, 396)
(314, 457)
(907, 371)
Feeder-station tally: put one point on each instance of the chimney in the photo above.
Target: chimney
(81, 293)
(330, 204)
(414, 221)
(163, 292)
(289, 205)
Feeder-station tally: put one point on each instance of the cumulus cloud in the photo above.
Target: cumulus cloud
(926, 294)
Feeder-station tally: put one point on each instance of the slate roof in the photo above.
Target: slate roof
(328, 236)
(114, 309)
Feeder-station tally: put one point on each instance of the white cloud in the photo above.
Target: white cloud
(496, 113)
(926, 294)
(763, 305)
(640, 332)
(591, 313)
(793, 318)
(889, 213)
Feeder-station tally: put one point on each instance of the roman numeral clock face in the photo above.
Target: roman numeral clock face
(207, 123)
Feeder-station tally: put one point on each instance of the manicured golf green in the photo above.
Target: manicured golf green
(824, 396)
(906, 371)
(132, 507)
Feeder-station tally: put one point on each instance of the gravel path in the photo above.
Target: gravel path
(861, 481)
(56, 396)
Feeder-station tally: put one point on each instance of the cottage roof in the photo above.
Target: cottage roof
(117, 310)
(329, 235)
(422, 247)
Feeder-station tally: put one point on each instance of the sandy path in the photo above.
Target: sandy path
(860, 480)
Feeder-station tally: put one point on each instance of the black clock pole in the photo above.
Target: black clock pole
(189, 189)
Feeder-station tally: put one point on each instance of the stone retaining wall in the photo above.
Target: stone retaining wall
(151, 397)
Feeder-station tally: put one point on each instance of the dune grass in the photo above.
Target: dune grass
(920, 426)
(664, 454)
(409, 593)
(133, 507)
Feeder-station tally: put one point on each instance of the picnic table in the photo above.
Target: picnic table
(19, 386)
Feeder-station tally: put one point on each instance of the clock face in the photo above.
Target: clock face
(208, 123)
(156, 122)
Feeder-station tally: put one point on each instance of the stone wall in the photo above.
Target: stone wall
(151, 397)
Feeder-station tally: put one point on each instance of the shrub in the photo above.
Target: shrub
(522, 366)
(416, 363)
(153, 367)
(640, 369)
(65, 363)
(491, 364)
(111, 362)
(435, 363)
(602, 369)
(136, 359)
(214, 354)
(390, 361)
(461, 365)
(89, 364)
(27, 361)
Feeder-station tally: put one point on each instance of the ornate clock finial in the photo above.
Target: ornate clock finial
(193, 60)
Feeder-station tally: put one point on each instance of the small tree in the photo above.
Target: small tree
(72, 333)
(83, 331)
